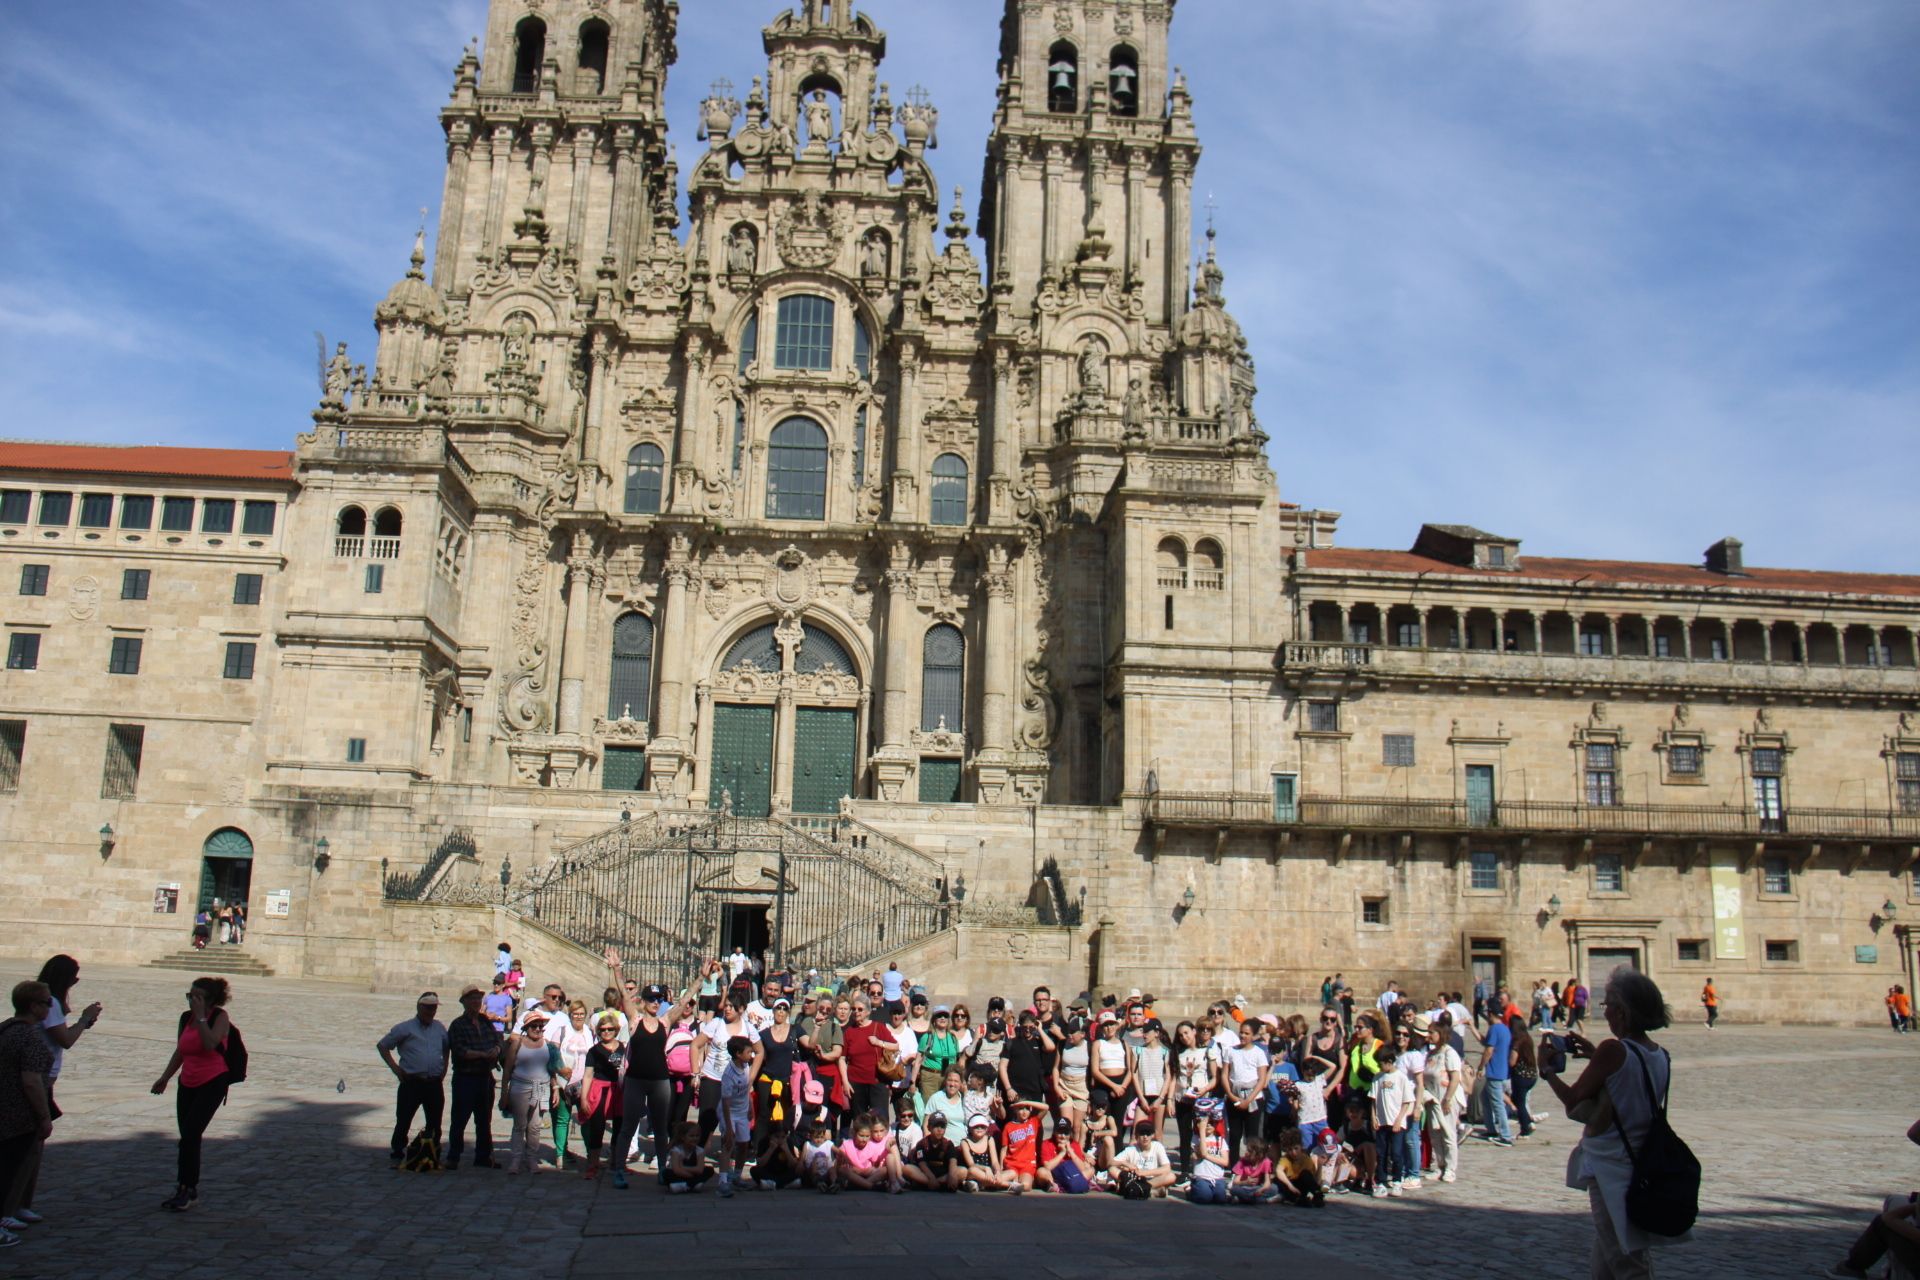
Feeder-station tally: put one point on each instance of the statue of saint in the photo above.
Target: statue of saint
(741, 251)
(339, 372)
(873, 256)
(1093, 371)
(1133, 409)
(819, 119)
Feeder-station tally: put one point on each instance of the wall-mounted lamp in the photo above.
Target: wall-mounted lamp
(1553, 906)
(1186, 900)
(106, 840)
(320, 855)
(506, 872)
(383, 871)
(1883, 917)
(626, 815)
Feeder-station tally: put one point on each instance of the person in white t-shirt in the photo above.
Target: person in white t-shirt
(710, 1055)
(1393, 1095)
(1146, 1157)
(60, 974)
(1247, 1068)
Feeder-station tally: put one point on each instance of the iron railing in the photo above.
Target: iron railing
(1215, 809)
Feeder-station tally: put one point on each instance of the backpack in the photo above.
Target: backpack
(234, 1050)
(423, 1155)
(679, 1052)
(1134, 1187)
(1663, 1197)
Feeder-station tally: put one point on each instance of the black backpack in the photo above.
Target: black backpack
(1663, 1197)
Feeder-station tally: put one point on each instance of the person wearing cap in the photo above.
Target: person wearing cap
(421, 1070)
(1070, 1075)
(474, 1046)
(499, 1003)
(531, 1072)
(933, 1163)
(980, 1165)
(1020, 1144)
(773, 1101)
(1027, 1060)
(991, 1045)
(647, 1086)
(1063, 1162)
(939, 1051)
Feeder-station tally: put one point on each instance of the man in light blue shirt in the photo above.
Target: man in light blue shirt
(1494, 1073)
(421, 1070)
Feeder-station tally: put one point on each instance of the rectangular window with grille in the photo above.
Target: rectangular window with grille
(1359, 633)
(1662, 646)
(1609, 873)
(56, 508)
(246, 588)
(23, 651)
(123, 659)
(1373, 911)
(121, 777)
(176, 515)
(356, 750)
(1691, 949)
(1769, 761)
(1684, 761)
(15, 504)
(1323, 717)
(805, 336)
(134, 582)
(239, 660)
(216, 515)
(13, 748)
(257, 518)
(1906, 772)
(623, 769)
(1782, 951)
(1602, 777)
(1776, 875)
(96, 510)
(33, 579)
(1396, 750)
(1483, 869)
(136, 511)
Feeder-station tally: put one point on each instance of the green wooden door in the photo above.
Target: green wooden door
(1285, 799)
(823, 741)
(939, 781)
(742, 758)
(1480, 811)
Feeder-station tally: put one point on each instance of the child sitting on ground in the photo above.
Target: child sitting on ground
(1103, 1135)
(1330, 1162)
(778, 1165)
(1252, 1174)
(1210, 1158)
(686, 1161)
(1294, 1174)
(1146, 1157)
(816, 1160)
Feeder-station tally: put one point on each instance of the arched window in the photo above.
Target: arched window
(819, 651)
(594, 39)
(1123, 81)
(529, 51)
(386, 523)
(646, 467)
(797, 471)
(632, 676)
(1063, 78)
(943, 661)
(1208, 565)
(750, 341)
(949, 489)
(1170, 563)
(350, 523)
(805, 336)
(862, 350)
(757, 648)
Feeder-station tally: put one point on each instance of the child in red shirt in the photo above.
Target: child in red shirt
(1020, 1144)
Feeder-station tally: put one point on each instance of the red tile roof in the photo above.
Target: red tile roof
(266, 466)
(1620, 573)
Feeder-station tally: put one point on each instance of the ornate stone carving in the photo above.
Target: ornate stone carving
(83, 597)
(794, 580)
(810, 236)
(649, 411)
(1041, 713)
(659, 282)
(938, 741)
(624, 730)
(952, 424)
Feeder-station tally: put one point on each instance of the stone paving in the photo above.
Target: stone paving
(1800, 1131)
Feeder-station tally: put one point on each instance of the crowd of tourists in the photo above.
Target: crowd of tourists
(791, 1080)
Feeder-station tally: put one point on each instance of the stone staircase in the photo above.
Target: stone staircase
(216, 958)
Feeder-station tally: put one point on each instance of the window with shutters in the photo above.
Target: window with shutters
(123, 659)
(96, 510)
(257, 518)
(942, 678)
(797, 471)
(949, 489)
(216, 515)
(804, 338)
(646, 469)
(246, 588)
(136, 511)
(13, 747)
(239, 664)
(121, 777)
(632, 674)
(1603, 777)
(623, 769)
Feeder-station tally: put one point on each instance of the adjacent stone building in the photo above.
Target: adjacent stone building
(795, 578)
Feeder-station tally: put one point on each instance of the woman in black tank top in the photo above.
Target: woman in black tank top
(773, 1087)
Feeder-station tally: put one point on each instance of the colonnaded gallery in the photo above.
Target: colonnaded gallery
(794, 578)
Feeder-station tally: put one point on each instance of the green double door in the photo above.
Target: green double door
(823, 744)
(824, 739)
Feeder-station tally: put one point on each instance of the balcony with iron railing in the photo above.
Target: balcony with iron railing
(1213, 810)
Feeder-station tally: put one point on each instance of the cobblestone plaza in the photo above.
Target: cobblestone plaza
(1799, 1129)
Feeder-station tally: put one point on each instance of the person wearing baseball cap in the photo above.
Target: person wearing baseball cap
(532, 1090)
(421, 1071)
(646, 1090)
(980, 1168)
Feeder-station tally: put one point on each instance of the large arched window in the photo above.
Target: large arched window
(529, 51)
(1123, 81)
(350, 523)
(797, 472)
(632, 676)
(749, 342)
(949, 489)
(1063, 78)
(819, 651)
(943, 661)
(1170, 563)
(805, 336)
(646, 468)
(592, 62)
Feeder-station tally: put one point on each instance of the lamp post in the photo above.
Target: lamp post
(107, 839)
(320, 855)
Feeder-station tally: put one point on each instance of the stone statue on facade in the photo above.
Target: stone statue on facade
(873, 256)
(819, 121)
(1133, 409)
(339, 374)
(1093, 372)
(742, 251)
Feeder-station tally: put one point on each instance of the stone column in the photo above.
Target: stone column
(893, 761)
(1179, 233)
(625, 174)
(1346, 628)
(573, 643)
(1806, 649)
(1000, 481)
(453, 205)
(1426, 622)
(1766, 643)
(501, 156)
(783, 735)
(1539, 632)
(1613, 635)
(1053, 172)
(996, 727)
(1136, 162)
(1686, 639)
(599, 391)
(906, 440)
(585, 139)
(667, 749)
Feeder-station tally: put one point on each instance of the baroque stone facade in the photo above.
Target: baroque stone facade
(803, 510)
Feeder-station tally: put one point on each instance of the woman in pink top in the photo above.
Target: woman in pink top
(200, 1058)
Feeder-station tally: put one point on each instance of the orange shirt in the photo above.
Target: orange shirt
(1902, 1004)
(1709, 997)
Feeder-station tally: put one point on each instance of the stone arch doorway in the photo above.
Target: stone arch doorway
(784, 722)
(226, 868)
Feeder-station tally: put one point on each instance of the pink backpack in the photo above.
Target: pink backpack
(807, 1086)
(680, 1050)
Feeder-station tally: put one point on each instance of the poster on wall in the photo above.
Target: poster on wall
(279, 902)
(1729, 925)
(166, 899)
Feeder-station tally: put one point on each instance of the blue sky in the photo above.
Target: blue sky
(1615, 279)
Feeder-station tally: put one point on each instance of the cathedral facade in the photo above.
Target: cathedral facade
(718, 577)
